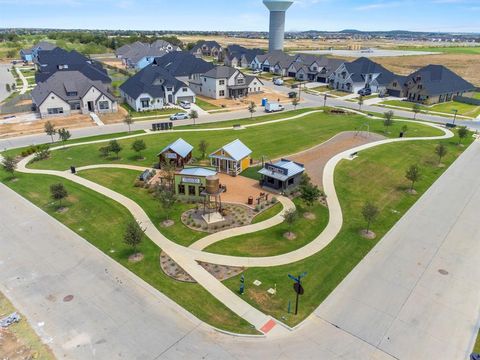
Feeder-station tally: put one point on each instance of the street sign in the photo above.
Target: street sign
(298, 288)
(293, 278)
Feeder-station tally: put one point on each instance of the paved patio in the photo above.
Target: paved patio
(240, 188)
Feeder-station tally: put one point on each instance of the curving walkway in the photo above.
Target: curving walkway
(187, 257)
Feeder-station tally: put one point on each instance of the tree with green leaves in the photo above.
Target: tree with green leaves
(203, 147)
(404, 129)
(115, 147)
(413, 174)
(360, 102)
(305, 180)
(133, 235)
(370, 213)
(64, 135)
(290, 217)
(388, 119)
(167, 198)
(58, 192)
(310, 194)
(295, 102)
(252, 108)
(9, 164)
(462, 133)
(193, 115)
(128, 120)
(50, 130)
(138, 146)
(441, 151)
(104, 151)
(416, 108)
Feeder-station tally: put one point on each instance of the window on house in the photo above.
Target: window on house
(221, 82)
(169, 89)
(53, 111)
(184, 89)
(75, 105)
(103, 105)
(221, 93)
(241, 81)
(191, 190)
(204, 80)
(72, 93)
(291, 181)
(145, 103)
(181, 189)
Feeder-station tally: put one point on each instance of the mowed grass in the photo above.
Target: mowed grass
(355, 185)
(25, 335)
(446, 108)
(101, 221)
(205, 105)
(273, 140)
(122, 181)
(271, 242)
(269, 213)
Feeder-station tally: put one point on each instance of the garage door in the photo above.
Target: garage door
(185, 98)
(395, 93)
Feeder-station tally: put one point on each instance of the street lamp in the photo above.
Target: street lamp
(455, 112)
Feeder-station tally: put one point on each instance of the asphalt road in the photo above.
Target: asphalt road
(5, 78)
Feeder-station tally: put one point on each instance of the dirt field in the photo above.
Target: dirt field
(316, 158)
(37, 126)
(243, 103)
(113, 118)
(19, 341)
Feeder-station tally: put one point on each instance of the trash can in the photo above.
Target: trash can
(402, 134)
(250, 200)
(73, 170)
(264, 102)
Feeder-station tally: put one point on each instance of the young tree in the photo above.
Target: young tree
(305, 180)
(203, 146)
(413, 174)
(9, 164)
(193, 115)
(295, 102)
(138, 146)
(115, 147)
(370, 213)
(388, 119)
(290, 217)
(104, 151)
(441, 151)
(167, 198)
(404, 128)
(64, 135)
(252, 108)
(462, 134)
(416, 108)
(128, 120)
(133, 235)
(310, 194)
(50, 129)
(360, 102)
(169, 170)
(58, 192)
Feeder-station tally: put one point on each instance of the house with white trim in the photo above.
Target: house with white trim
(232, 158)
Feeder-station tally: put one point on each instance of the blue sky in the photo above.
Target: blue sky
(415, 15)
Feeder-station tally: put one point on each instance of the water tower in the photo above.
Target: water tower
(277, 8)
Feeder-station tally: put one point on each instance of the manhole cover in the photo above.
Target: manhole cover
(443, 272)
(68, 298)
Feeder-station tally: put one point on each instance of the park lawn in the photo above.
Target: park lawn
(403, 104)
(476, 95)
(355, 185)
(463, 109)
(122, 181)
(271, 242)
(204, 105)
(269, 213)
(31, 81)
(252, 173)
(25, 335)
(290, 137)
(101, 221)
(160, 112)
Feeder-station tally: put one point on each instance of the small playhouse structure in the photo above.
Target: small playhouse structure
(178, 153)
(191, 182)
(282, 175)
(232, 158)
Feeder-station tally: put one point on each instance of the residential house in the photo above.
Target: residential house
(183, 65)
(178, 154)
(359, 74)
(232, 158)
(239, 56)
(208, 48)
(138, 55)
(274, 62)
(30, 54)
(58, 59)
(282, 175)
(153, 88)
(314, 69)
(225, 82)
(71, 92)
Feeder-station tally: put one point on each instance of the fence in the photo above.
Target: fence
(14, 106)
(467, 100)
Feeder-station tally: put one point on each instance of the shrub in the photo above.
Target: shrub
(257, 208)
(138, 183)
(274, 200)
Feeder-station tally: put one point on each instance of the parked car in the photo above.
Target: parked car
(278, 81)
(292, 94)
(365, 92)
(179, 116)
(274, 107)
(257, 71)
(185, 104)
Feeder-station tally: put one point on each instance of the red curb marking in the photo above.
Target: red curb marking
(268, 326)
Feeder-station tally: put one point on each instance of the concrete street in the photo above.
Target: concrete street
(6, 77)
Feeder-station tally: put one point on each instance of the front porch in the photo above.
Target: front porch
(226, 166)
(237, 92)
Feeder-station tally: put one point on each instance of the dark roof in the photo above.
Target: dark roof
(363, 65)
(59, 56)
(221, 72)
(64, 81)
(239, 51)
(42, 45)
(151, 80)
(438, 79)
(209, 43)
(182, 63)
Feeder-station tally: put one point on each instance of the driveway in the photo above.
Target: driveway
(6, 77)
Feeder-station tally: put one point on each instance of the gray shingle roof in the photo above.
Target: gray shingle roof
(437, 80)
(65, 81)
(221, 72)
(42, 45)
(363, 66)
(182, 63)
(209, 44)
(137, 51)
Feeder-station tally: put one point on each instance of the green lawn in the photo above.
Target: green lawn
(271, 242)
(473, 50)
(267, 214)
(476, 95)
(402, 104)
(252, 173)
(122, 181)
(463, 109)
(161, 112)
(320, 88)
(204, 105)
(101, 221)
(308, 131)
(355, 185)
